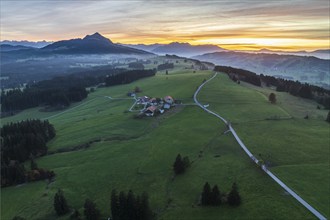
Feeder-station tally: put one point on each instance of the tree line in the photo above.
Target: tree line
(128, 76)
(20, 142)
(213, 197)
(51, 93)
(124, 206)
(296, 88)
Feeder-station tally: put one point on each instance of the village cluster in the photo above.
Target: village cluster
(153, 106)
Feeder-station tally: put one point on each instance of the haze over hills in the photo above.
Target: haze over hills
(177, 48)
(322, 54)
(8, 47)
(302, 68)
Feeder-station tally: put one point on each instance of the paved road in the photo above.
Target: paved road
(264, 168)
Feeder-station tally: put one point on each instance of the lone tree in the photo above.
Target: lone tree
(328, 117)
(272, 98)
(90, 210)
(178, 165)
(234, 198)
(60, 204)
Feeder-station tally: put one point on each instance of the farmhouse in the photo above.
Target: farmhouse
(150, 111)
(143, 100)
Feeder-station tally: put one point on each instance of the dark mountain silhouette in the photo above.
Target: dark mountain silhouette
(91, 44)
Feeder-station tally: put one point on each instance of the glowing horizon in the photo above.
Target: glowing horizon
(275, 25)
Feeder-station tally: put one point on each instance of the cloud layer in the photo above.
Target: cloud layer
(272, 24)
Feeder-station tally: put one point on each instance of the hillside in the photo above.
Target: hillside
(138, 154)
(304, 69)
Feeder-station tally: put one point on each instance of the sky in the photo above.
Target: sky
(241, 25)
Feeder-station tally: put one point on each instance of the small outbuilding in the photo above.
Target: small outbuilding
(150, 111)
(168, 99)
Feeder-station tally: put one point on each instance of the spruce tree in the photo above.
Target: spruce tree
(146, 213)
(234, 198)
(122, 201)
(90, 210)
(216, 196)
(114, 205)
(60, 204)
(206, 194)
(131, 205)
(178, 165)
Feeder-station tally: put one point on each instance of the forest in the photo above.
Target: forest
(20, 142)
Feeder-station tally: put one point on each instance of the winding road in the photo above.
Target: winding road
(264, 168)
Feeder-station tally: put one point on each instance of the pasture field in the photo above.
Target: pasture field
(296, 149)
(127, 153)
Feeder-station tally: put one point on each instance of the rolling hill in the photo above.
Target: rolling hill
(306, 69)
(128, 153)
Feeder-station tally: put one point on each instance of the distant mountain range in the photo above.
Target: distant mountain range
(179, 49)
(38, 44)
(90, 44)
(303, 68)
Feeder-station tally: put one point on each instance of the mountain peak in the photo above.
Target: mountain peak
(97, 36)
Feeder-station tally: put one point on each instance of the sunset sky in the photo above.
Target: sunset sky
(280, 24)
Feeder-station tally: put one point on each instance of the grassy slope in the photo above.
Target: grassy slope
(297, 149)
(144, 163)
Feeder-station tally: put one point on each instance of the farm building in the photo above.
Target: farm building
(168, 99)
(150, 111)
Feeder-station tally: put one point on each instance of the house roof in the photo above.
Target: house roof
(168, 97)
(151, 108)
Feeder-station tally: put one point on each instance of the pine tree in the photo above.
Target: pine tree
(131, 212)
(215, 196)
(146, 213)
(90, 210)
(122, 201)
(178, 165)
(234, 198)
(206, 194)
(114, 205)
(60, 204)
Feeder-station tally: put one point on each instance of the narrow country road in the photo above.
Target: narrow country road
(285, 187)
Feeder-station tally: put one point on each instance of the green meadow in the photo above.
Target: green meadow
(138, 154)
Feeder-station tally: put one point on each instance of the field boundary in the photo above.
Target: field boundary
(252, 157)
